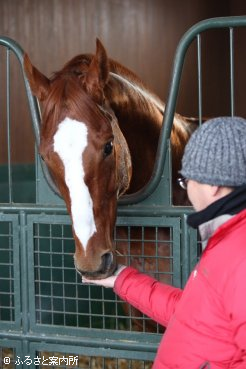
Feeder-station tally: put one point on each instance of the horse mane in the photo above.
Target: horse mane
(134, 85)
(119, 75)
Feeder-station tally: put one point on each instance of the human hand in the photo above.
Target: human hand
(106, 282)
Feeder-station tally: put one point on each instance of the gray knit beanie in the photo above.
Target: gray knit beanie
(216, 153)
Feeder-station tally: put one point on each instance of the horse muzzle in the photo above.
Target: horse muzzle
(106, 268)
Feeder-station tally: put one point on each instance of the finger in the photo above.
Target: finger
(87, 281)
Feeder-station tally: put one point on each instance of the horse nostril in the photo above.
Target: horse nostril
(107, 260)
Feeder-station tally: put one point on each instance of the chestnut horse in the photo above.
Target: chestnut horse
(99, 134)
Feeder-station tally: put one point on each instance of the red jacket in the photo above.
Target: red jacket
(206, 322)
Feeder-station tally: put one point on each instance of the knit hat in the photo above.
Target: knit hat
(216, 153)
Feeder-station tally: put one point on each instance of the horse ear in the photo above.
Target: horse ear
(98, 71)
(40, 85)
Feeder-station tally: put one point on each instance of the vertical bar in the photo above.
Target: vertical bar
(64, 282)
(232, 98)
(186, 251)
(8, 123)
(24, 274)
(199, 74)
(104, 326)
(52, 275)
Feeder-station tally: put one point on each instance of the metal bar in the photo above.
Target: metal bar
(186, 40)
(126, 211)
(17, 50)
(24, 271)
(232, 72)
(185, 252)
(85, 340)
(32, 101)
(10, 184)
(199, 73)
(101, 351)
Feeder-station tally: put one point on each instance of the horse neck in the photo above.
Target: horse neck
(140, 115)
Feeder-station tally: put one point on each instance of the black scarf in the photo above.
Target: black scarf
(231, 204)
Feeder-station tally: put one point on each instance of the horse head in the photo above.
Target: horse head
(86, 153)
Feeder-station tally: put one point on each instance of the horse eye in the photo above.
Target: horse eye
(108, 148)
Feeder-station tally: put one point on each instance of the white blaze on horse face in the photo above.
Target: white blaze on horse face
(70, 142)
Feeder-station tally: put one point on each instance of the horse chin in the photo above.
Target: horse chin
(99, 274)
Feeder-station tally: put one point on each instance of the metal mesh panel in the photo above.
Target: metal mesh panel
(149, 249)
(60, 299)
(6, 272)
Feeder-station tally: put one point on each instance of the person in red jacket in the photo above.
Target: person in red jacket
(206, 322)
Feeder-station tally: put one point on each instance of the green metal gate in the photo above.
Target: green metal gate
(47, 317)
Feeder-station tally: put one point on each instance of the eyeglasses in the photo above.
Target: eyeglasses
(182, 182)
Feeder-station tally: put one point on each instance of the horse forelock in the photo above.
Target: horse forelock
(78, 64)
(67, 98)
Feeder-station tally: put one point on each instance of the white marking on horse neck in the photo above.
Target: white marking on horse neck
(146, 94)
(70, 142)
